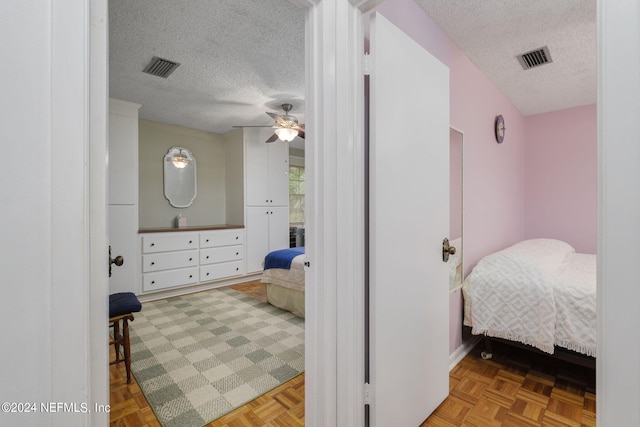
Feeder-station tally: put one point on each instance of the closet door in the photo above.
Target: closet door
(123, 195)
(409, 218)
(278, 227)
(257, 229)
(278, 173)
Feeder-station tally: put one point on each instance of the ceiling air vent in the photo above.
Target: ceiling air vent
(160, 67)
(535, 58)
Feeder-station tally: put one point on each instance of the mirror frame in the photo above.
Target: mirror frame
(180, 184)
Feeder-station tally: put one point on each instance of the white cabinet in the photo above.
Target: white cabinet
(267, 230)
(177, 258)
(267, 169)
(123, 194)
(221, 254)
(266, 196)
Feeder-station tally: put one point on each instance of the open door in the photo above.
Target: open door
(409, 218)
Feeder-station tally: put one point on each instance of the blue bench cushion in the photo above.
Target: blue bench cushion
(123, 303)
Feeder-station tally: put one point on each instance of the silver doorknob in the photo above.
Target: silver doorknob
(447, 250)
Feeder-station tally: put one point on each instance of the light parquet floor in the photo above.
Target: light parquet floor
(516, 388)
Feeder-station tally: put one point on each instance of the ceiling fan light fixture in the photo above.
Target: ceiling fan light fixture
(180, 158)
(286, 134)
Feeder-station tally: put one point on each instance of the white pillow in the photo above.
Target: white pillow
(547, 254)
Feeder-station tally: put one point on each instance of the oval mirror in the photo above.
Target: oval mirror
(179, 177)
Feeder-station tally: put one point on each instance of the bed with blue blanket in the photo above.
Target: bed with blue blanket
(283, 276)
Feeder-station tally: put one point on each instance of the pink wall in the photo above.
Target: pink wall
(561, 177)
(493, 173)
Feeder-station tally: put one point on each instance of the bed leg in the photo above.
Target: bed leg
(488, 351)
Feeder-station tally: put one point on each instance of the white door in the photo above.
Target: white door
(257, 228)
(279, 173)
(123, 195)
(278, 227)
(257, 165)
(409, 218)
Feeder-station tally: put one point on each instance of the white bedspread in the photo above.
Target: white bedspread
(538, 292)
(575, 295)
(292, 278)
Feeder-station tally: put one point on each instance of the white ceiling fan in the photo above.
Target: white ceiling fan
(286, 126)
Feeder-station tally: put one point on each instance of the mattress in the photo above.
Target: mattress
(292, 278)
(538, 292)
(286, 298)
(285, 287)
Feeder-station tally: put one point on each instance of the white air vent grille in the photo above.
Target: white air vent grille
(535, 58)
(160, 67)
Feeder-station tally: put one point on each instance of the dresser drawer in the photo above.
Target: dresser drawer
(169, 279)
(169, 260)
(221, 254)
(221, 270)
(169, 242)
(210, 239)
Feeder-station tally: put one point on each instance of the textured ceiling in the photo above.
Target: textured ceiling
(240, 58)
(493, 32)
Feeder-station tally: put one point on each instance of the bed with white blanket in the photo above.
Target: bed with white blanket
(538, 292)
(283, 276)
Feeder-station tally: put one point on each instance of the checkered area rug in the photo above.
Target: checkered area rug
(197, 357)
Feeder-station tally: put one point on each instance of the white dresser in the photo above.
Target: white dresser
(174, 259)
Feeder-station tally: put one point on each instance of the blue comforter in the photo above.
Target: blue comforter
(282, 258)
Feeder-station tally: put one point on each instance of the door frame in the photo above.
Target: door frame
(333, 217)
(335, 117)
(334, 209)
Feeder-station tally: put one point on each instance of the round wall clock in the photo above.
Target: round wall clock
(500, 129)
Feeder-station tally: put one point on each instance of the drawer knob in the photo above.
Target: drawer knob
(207, 240)
(153, 263)
(237, 268)
(237, 253)
(190, 259)
(153, 281)
(190, 241)
(190, 276)
(236, 237)
(207, 274)
(153, 244)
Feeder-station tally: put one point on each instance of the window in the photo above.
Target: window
(296, 195)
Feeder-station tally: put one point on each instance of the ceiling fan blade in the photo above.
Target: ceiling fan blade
(301, 133)
(253, 126)
(273, 138)
(274, 116)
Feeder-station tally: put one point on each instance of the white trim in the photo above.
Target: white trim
(460, 352)
(98, 284)
(78, 210)
(334, 157)
(198, 288)
(618, 349)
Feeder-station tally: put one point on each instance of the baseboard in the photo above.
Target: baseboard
(198, 288)
(462, 351)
